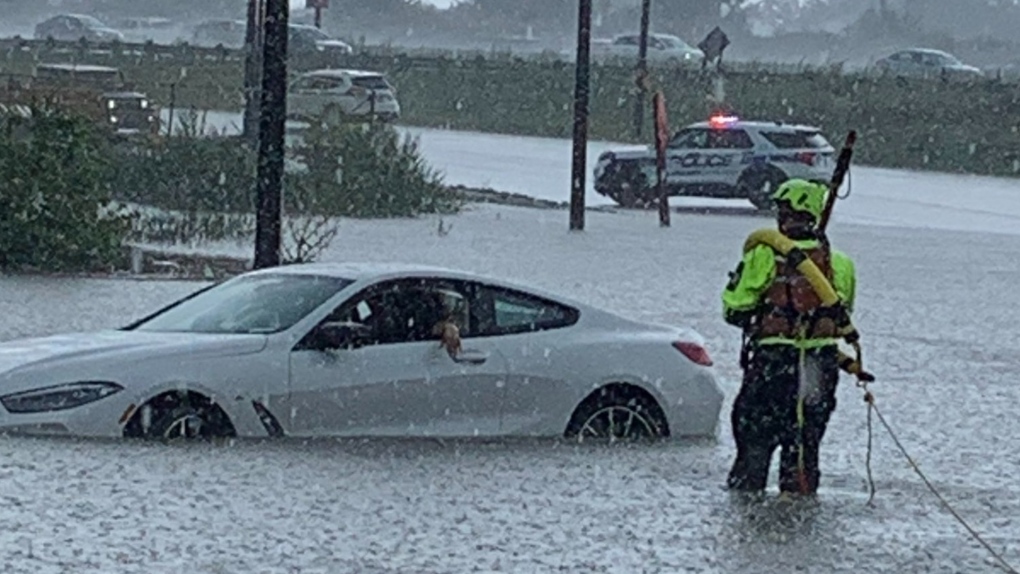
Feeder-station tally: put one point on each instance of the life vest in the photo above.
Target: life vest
(791, 308)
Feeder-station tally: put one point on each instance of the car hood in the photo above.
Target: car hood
(61, 350)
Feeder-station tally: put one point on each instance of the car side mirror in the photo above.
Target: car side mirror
(337, 335)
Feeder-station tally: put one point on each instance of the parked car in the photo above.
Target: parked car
(661, 48)
(725, 158)
(140, 30)
(301, 40)
(305, 39)
(215, 32)
(97, 92)
(337, 93)
(927, 63)
(74, 27)
(348, 350)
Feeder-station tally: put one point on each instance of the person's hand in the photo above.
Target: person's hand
(450, 338)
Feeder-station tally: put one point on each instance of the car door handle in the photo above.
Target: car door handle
(471, 357)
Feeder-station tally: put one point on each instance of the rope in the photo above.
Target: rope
(873, 408)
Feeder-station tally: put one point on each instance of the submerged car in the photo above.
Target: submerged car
(346, 350)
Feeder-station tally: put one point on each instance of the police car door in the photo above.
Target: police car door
(729, 147)
(692, 159)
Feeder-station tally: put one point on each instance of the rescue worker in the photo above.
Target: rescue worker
(790, 355)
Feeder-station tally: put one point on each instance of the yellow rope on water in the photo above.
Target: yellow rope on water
(873, 408)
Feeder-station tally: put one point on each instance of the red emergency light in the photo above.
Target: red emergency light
(722, 121)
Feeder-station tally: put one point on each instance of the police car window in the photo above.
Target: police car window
(800, 139)
(690, 139)
(729, 139)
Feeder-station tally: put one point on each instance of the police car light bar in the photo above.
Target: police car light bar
(722, 121)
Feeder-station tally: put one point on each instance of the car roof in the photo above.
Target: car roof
(757, 124)
(926, 51)
(341, 72)
(378, 271)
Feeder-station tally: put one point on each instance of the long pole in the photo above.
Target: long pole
(581, 86)
(272, 127)
(642, 67)
(252, 70)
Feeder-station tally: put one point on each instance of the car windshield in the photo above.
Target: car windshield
(313, 34)
(246, 305)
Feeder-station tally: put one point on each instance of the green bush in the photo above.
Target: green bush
(53, 180)
(350, 170)
(364, 170)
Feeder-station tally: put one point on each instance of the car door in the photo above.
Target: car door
(685, 156)
(357, 390)
(466, 390)
(528, 330)
(396, 381)
(724, 158)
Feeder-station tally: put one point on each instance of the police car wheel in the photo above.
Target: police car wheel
(758, 186)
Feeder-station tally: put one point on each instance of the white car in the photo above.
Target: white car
(725, 158)
(349, 350)
(661, 48)
(335, 93)
(927, 63)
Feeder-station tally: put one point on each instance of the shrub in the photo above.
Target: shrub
(365, 170)
(53, 178)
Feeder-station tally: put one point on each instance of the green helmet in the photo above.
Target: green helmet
(803, 195)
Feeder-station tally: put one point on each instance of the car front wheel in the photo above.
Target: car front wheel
(180, 415)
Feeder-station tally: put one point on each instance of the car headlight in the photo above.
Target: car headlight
(60, 397)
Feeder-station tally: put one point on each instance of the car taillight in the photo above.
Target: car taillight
(695, 352)
(807, 157)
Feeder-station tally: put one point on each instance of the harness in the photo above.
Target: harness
(791, 308)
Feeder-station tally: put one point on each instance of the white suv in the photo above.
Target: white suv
(333, 94)
(724, 158)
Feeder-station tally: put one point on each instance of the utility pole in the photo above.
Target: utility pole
(581, 88)
(272, 126)
(253, 42)
(642, 68)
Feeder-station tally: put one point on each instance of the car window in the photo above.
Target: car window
(500, 311)
(729, 139)
(406, 311)
(693, 138)
(799, 139)
(318, 83)
(249, 304)
(371, 82)
(91, 22)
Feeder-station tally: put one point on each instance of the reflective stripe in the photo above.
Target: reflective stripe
(798, 343)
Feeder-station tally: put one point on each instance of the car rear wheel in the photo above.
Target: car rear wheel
(618, 413)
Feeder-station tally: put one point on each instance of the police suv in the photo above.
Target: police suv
(725, 158)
